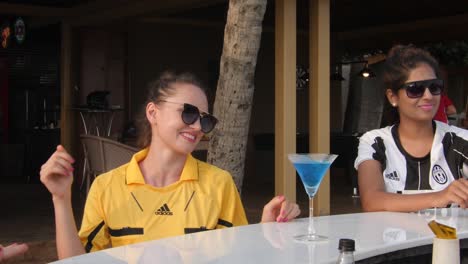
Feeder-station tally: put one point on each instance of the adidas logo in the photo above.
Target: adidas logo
(392, 176)
(164, 210)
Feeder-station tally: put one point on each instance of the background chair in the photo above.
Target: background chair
(101, 155)
(115, 153)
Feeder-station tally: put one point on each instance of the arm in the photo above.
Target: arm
(375, 198)
(57, 176)
(449, 107)
(68, 242)
(278, 209)
(451, 110)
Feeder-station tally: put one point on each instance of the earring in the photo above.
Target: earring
(394, 104)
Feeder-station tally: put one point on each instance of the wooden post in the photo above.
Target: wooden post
(319, 96)
(66, 123)
(285, 97)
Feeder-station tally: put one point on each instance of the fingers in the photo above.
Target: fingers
(280, 210)
(12, 250)
(274, 203)
(65, 164)
(64, 154)
(271, 209)
(59, 163)
(464, 182)
(457, 192)
(288, 211)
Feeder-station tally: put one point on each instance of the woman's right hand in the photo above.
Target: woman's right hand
(57, 173)
(456, 192)
(12, 250)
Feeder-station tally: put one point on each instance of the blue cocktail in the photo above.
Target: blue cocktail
(311, 168)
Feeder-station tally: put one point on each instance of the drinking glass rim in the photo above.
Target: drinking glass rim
(318, 157)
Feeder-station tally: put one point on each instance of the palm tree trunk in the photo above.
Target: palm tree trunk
(234, 95)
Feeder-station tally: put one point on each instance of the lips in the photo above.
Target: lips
(189, 136)
(427, 107)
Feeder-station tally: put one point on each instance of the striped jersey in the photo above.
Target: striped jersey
(401, 171)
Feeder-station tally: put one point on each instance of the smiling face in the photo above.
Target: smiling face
(168, 129)
(416, 109)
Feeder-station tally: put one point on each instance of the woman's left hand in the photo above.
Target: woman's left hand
(279, 209)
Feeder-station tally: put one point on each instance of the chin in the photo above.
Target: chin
(184, 150)
(425, 119)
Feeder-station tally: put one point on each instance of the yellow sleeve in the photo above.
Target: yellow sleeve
(94, 234)
(232, 210)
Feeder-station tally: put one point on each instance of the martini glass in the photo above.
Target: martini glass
(311, 167)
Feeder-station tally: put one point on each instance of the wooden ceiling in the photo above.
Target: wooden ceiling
(350, 19)
(48, 3)
(346, 15)
(97, 12)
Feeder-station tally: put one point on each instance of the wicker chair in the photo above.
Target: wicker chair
(101, 155)
(116, 153)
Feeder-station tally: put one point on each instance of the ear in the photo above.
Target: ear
(151, 110)
(392, 97)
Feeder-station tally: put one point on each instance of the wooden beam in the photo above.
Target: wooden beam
(204, 23)
(376, 58)
(441, 23)
(186, 22)
(319, 95)
(100, 5)
(66, 115)
(104, 11)
(285, 97)
(97, 13)
(33, 10)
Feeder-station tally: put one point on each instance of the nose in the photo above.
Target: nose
(196, 125)
(427, 93)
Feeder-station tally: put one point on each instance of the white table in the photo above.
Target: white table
(375, 234)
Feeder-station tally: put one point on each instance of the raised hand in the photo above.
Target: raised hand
(57, 173)
(279, 209)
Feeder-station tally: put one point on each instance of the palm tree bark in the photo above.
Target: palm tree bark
(234, 95)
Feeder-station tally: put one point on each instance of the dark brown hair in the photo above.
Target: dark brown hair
(158, 90)
(401, 59)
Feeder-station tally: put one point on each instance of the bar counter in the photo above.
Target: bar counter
(381, 237)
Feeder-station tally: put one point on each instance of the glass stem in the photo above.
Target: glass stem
(311, 228)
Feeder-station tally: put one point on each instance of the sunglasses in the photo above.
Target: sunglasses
(417, 89)
(191, 113)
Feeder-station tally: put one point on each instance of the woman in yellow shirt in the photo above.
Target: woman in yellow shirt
(163, 191)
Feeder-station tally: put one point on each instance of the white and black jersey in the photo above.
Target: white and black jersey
(401, 171)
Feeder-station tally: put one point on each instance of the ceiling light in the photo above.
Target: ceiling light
(336, 75)
(366, 72)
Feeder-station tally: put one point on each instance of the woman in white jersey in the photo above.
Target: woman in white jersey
(416, 154)
(163, 191)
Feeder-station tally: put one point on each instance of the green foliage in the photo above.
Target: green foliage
(454, 53)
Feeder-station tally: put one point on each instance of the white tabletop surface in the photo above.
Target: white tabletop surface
(374, 233)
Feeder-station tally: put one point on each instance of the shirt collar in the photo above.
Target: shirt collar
(133, 170)
(134, 175)
(190, 171)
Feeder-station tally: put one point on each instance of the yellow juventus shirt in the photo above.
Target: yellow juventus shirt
(121, 209)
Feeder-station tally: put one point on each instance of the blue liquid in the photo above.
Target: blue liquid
(311, 174)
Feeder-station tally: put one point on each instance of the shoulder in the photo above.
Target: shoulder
(213, 174)
(111, 177)
(443, 129)
(383, 133)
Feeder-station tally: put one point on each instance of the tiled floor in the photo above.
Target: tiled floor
(27, 213)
